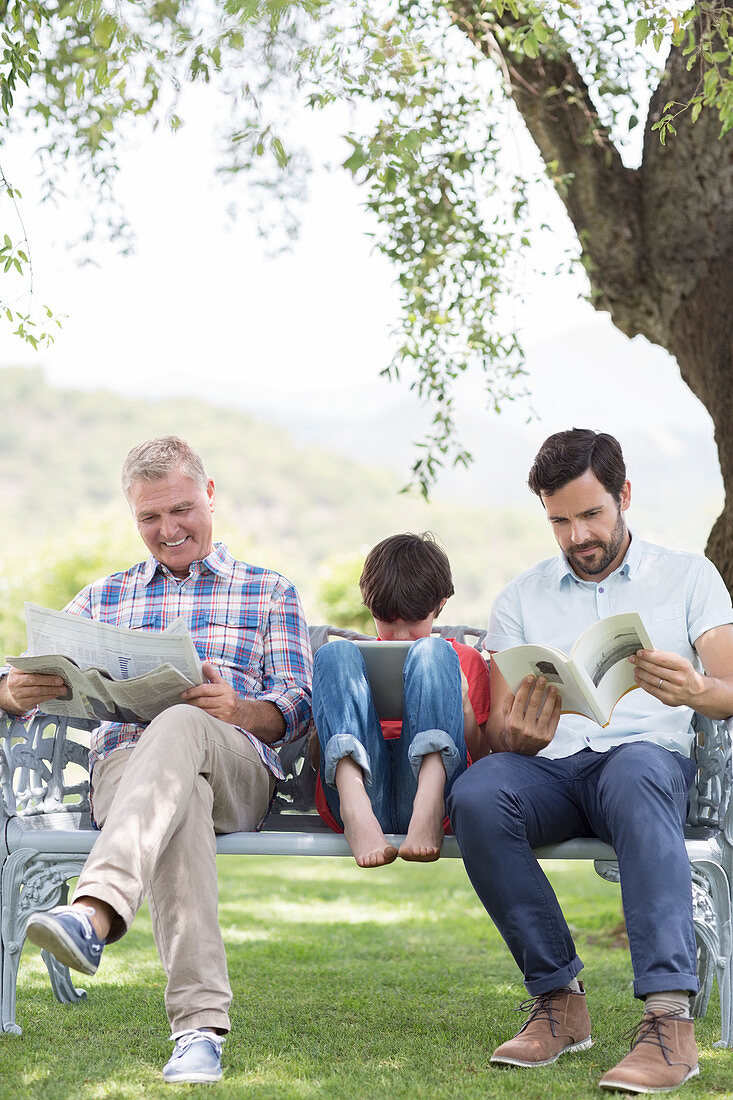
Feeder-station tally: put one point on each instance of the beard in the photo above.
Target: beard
(609, 548)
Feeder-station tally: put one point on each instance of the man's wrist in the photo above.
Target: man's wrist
(7, 702)
(715, 699)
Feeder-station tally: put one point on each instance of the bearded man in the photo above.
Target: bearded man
(551, 777)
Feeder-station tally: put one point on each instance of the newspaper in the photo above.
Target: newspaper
(111, 673)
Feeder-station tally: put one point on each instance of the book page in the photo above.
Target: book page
(536, 660)
(601, 653)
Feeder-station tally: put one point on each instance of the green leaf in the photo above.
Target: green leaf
(104, 32)
(642, 30)
(530, 47)
(279, 150)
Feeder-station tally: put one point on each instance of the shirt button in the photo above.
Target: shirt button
(600, 589)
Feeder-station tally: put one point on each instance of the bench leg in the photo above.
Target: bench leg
(31, 883)
(711, 899)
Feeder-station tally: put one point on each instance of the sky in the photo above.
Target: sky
(201, 308)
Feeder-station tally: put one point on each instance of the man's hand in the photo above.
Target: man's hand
(219, 699)
(668, 677)
(216, 696)
(529, 718)
(22, 691)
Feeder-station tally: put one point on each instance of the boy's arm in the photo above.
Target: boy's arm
(474, 733)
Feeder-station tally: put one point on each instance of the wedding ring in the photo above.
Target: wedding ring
(661, 681)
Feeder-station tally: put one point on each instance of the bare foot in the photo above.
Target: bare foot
(424, 838)
(425, 831)
(367, 841)
(361, 828)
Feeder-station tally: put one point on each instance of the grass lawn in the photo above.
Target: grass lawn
(347, 984)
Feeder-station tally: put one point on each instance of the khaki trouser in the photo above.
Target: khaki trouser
(161, 803)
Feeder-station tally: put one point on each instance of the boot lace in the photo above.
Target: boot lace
(540, 1007)
(650, 1030)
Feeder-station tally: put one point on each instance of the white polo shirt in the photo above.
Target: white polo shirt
(678, 595)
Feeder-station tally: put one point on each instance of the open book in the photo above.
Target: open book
(595, 675)
(111, 673)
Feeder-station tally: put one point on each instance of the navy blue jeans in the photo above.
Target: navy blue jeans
(633, 797)
(347, 724)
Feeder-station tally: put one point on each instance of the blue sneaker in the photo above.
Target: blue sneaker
(68, 934)
(196, 1058)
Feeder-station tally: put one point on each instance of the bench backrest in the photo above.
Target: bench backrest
(44, 765)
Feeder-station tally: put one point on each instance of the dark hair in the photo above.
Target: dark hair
(406, 577)
(567, 455)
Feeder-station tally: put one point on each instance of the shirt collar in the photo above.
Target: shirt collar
(628, 565)
(219, 561)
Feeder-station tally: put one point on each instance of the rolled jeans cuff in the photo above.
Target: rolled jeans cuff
(339, 746)
(434, 741)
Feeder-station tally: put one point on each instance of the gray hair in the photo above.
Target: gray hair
(157, 458)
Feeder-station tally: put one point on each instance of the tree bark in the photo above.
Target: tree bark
(658, 240)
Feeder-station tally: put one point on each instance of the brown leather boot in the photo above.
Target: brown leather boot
(558, 1023)
(663, 1055)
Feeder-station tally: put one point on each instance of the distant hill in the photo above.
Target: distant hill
(283, 503)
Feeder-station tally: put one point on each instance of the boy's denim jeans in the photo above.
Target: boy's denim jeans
(347, 724)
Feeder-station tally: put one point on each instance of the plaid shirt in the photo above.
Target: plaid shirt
(246, 621)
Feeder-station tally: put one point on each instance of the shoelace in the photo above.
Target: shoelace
(87, 927)
(188, 1038)
(649, 1030)
(539, 1006)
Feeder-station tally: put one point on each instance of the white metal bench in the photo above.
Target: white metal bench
(46, 835)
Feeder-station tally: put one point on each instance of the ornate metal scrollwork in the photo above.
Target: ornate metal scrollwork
(607, 869)
(32, 882)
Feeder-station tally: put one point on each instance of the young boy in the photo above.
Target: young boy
(392, 777)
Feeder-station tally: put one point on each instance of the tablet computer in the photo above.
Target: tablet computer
(384, 662)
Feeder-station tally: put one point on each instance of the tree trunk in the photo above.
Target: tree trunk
(657, 240)
(701, 339)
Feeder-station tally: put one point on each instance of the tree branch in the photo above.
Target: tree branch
(602, 196)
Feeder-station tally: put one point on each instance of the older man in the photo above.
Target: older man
(550, 778)
(206, 766)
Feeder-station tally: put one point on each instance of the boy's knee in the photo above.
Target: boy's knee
(425, 653)
(336, 654)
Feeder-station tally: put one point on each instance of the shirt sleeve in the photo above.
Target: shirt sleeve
(708, 602)
(506, 626)
(81, 604)
(476, 671)
(288, 663)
